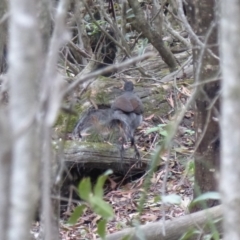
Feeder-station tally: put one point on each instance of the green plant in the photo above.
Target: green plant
(93, 196)
(160, 129)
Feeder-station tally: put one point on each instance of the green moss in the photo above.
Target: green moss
(93, 145)
(165, 71)
(67, 121)
(102, 98)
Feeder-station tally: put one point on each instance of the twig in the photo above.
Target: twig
(190, 31)
(176, 34)
(105, 70)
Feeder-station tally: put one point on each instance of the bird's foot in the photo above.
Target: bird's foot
(138, 158)
(121, 156)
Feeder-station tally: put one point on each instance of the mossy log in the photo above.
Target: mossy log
(102, 156)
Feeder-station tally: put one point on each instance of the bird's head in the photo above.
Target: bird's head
(128, 86)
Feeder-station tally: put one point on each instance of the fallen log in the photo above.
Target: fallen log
(101, 156)
(174, 229)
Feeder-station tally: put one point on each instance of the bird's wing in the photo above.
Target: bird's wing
(123, 103)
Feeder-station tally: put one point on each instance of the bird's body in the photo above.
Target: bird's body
(124, 116)
(127, 110)
(128, 102)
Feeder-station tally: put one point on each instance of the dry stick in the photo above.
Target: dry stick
(57, 40)
(154, 140)
(154, 17)
(68, 52)
(175, 79)
(124, 43)
(198, 83)
(176, 34)
(125, 176)
(205, 82)
(124, 17)
(174, 228)
(204, 46)
(79, 50)
(79, 16)
(164, 191)
(174, 16)
(134, 44)
(60, 198)
(158, 16)
(190, 31)
(179, 70)
(168, 77)
(116, 29)
(105, 70)
(197, 80)
(102, 30)
(67, 64)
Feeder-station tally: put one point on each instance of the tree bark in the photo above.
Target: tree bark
(44, 8)
(153, 36)
(230, 134)
(101, 156)
(175, 228)
(24, 68)
(202, 17)
(5, 163)
(3, 36)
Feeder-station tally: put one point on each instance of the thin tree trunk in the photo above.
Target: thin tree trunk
(153, 36)
(230, 135)
(5, 163)
(24, 68)
(3, 35)
(206, 67)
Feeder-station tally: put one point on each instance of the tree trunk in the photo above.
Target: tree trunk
(24, 68)
(3, 36)
(206, 67)
(153, 36)
(44, 8)
(5, 163)
(230, 134)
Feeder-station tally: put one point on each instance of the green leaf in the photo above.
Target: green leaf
(98, 188)
(163, 133)
(157, 199)
(190, 233)
(101, 207)
(190, 132)
(101, 228)
(127, 237)
(159, 128)
(172, 198)
(206, 196)
(85, 189)
(153, 129)
(108, 172)
(77, 213)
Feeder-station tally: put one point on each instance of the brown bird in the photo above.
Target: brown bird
(124, 116)
(128, 110)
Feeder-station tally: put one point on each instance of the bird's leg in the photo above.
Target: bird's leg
(123, 141)
(137, 154)
(122, 154)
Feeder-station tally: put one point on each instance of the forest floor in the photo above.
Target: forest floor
(172, 181)
(171, 185)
